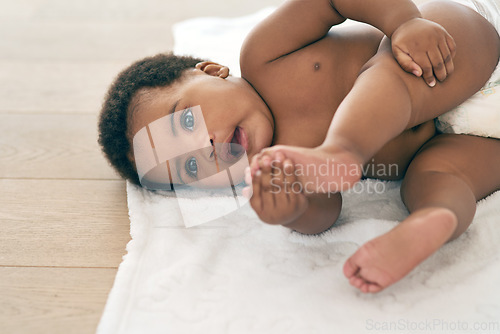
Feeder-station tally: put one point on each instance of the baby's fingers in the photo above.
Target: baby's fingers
(277, 183)
(441, 57)
(254, 164)
(293, 187)
(426, 66)
(256, 199)
(452, 46)
(248, 190)
(266, 182)
(438, 67)
(260, 180)
(447, 56)
(406, 62)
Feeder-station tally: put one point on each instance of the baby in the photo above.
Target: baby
(343, 99)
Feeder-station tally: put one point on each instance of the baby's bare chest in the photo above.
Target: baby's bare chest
(305, 89)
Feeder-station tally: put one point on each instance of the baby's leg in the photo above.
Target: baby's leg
(440, 189)
(385, 100)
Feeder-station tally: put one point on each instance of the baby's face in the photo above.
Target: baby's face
(228, 108)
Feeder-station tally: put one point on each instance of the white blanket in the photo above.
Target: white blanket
(238, 275)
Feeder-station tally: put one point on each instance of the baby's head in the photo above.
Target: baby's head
(158, 86)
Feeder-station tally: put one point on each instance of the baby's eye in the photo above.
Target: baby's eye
(187, 119)
(192, 167)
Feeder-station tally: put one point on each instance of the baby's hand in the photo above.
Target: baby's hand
(424, 48)
(277, 196)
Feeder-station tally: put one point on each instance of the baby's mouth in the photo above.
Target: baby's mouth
(235, 146)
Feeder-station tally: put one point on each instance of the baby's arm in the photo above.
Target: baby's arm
(421, 47)
(278, 198)
(292, 26)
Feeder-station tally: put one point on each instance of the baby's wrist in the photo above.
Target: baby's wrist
(395, 21)
(402, 25)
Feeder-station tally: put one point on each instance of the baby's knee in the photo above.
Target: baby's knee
(433, 162)
(474, 160)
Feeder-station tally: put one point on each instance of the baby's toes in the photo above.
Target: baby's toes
(374, 288)
(356, 282)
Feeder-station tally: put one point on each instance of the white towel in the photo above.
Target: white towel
(238, 275)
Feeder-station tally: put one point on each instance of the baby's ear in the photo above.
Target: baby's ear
(213, 69)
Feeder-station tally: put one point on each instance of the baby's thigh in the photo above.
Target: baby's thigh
(478, 50)
(476, 160)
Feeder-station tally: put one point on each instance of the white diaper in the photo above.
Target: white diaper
(480, 114)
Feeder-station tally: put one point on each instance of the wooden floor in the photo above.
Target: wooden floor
(63, 213)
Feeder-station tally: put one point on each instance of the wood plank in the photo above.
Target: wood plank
(59, 55)
(72, 223)
(53, 300)
(74, 41)
(55, 86)
(51, 146)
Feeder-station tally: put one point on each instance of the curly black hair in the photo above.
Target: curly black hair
(151, 72)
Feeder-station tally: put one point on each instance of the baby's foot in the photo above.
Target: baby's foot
(388, 258)
(319, 170)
